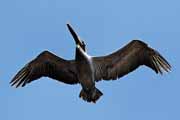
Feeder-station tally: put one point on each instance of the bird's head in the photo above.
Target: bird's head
(81, 54)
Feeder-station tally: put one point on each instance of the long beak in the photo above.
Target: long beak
(75, 36)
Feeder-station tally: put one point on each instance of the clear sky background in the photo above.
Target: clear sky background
(28, 27)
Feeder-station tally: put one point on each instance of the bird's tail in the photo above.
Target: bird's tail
(92, 96)
(157, 62)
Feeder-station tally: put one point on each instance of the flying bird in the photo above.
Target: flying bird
(87, 70)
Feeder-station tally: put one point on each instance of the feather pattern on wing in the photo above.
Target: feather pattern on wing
(48, 65)
(127, 59)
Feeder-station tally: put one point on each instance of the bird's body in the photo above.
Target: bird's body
(87, 70)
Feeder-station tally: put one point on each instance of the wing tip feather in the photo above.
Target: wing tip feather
(160, 63)
(20, 78)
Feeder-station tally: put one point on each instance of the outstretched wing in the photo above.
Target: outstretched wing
(48, 65)
(127, 59)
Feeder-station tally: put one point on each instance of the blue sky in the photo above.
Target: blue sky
(27, 27)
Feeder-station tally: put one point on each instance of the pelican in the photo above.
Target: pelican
(87, 70)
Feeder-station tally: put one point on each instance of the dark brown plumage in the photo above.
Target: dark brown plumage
(108, 67)
(86, 70)
(48, 65)
(127, 59)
